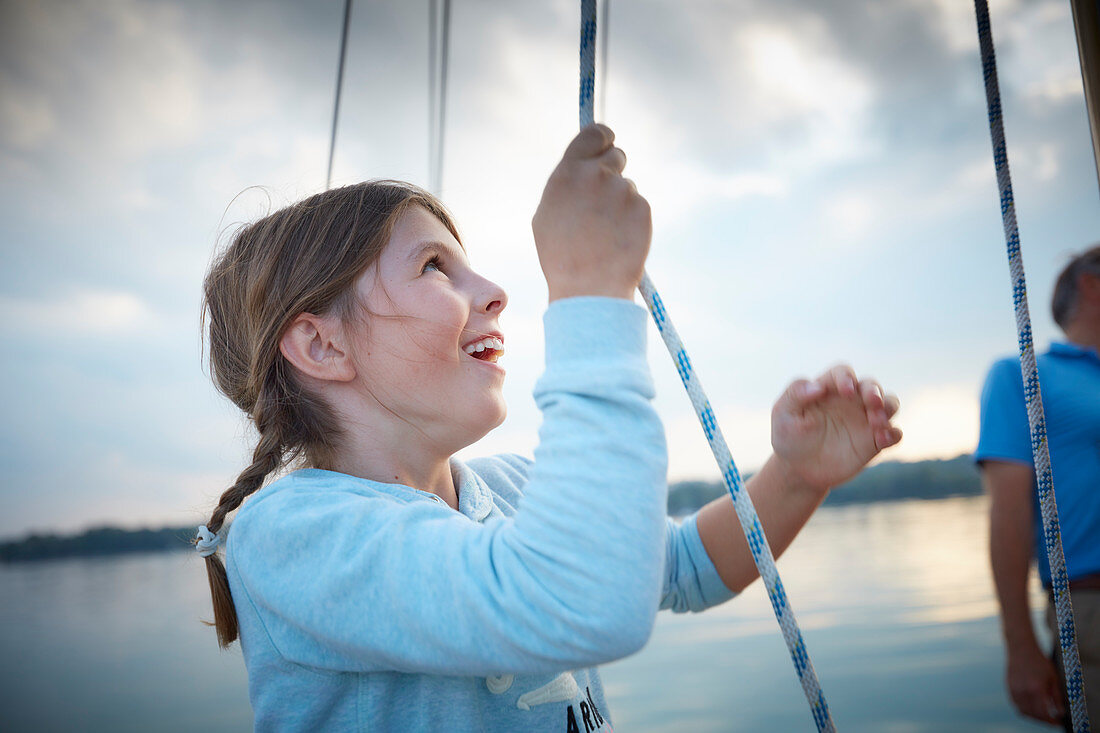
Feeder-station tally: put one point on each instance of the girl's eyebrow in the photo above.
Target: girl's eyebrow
(436, 247)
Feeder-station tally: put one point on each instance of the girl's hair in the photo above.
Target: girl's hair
(305, 258)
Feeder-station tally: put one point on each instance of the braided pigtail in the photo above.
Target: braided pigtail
(266, 459)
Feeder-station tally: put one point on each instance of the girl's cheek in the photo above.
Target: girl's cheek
(458, 311)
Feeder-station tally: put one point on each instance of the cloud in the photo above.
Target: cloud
(677, 187)
(1056, 88)
(132, 86)
(27, 120)
(850, 214)
(956, 24)
(1038, 57)
(794, 74)
(88, 312)
(1047, 167)
(108, 106)
(761, 89)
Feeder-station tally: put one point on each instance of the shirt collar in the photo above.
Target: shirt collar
(475, 500)
(1069, 349)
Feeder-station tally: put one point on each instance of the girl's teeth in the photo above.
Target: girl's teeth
(489, 343)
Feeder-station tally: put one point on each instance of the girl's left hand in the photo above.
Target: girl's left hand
(826, 430)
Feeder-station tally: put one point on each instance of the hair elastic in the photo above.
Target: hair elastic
(206, 542)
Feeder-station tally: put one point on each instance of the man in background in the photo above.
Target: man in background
(1069, 374)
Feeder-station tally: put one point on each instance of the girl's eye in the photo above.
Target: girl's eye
(434, 262)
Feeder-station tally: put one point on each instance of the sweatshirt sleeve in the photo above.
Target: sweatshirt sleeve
(691, 581)
(347, 582)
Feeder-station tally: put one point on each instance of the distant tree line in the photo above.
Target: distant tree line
(97, 541)
(889, 481)
(894, 481)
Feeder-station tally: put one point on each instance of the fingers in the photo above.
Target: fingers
(595, 141)
(590, 142)
(1034, 687)
(802, 393)
(873, 396)
(879, 406)
(840, 379)
(1040, 706)
(892, 405)
(886, 437)
(874, 401)
(1055, 709)
(614, 159)
(592, 228)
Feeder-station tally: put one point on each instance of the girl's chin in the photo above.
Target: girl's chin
(491, 417)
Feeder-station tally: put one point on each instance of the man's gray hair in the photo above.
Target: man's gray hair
(1064, 302)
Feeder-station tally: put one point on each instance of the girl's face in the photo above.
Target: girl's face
(414, 363)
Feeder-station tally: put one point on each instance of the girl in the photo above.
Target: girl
(386, 585)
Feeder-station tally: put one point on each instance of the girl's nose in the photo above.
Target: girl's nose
(493, 298)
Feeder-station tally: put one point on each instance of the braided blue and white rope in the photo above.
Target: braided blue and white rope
(588, 61)
(1052, 535)
(746, 513)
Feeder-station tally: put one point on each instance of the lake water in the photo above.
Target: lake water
(895, 602)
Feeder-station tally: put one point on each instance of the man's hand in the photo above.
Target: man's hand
(1033, 684)
(1030, 676)
(826, 430)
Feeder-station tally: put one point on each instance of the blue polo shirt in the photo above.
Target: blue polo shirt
(1069, 377)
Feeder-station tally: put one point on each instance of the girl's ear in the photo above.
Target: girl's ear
(315, 345)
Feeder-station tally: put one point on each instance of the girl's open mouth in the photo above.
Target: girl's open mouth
(488, 349)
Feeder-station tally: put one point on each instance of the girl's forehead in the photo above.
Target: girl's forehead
(416, 224)
(415, 229)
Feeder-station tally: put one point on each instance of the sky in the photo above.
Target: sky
(819, 172)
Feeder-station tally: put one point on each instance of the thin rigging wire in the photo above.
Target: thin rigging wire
(339, 88)
(433, 81)
(441, 109)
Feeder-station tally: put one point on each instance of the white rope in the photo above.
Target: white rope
(1052, 534)
(746, 513)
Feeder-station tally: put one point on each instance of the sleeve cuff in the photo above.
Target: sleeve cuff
(981, 457)
(711, 587)
(594, 328)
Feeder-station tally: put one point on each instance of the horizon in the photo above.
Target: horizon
(169, 525)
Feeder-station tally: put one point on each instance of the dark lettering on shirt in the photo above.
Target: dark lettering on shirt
(591, 704)
(571, 721)
(586, 714)
(590, 714)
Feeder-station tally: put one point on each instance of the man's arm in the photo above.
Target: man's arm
(1030, 676)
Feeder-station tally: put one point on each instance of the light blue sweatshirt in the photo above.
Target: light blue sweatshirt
(371, 606)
